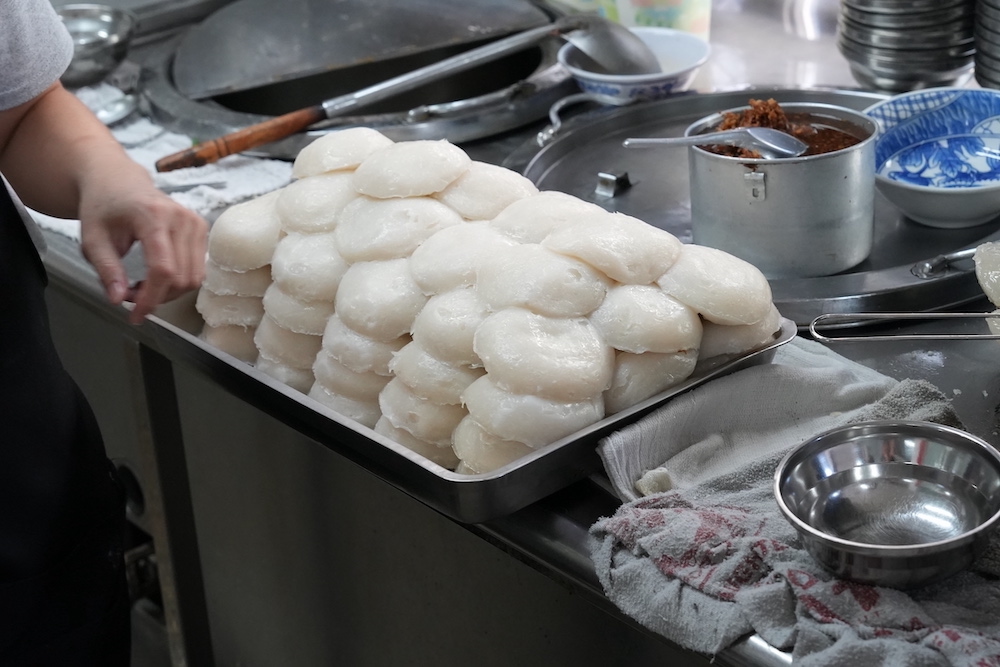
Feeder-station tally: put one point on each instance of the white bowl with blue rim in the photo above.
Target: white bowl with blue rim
(680, 55)
(937, 155)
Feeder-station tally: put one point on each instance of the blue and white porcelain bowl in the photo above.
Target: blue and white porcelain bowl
(937, 155)
(680, 55)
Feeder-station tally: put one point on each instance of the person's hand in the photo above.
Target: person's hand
(173, 240)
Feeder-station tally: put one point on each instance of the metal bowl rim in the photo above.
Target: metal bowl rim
(80, 8)
(122, 20)
(888, 550)
(562, 56)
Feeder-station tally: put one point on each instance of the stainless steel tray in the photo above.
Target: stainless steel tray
(465, 498)
(590, 143)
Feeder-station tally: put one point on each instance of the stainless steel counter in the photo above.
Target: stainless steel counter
(276, 549)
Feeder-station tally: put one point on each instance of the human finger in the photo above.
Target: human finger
(190, 242)
(161, 270)
(99, 250)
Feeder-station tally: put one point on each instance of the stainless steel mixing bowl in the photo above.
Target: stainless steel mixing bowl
(101, 37)
(899, 504)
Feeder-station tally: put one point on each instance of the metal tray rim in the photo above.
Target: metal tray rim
(465, 498)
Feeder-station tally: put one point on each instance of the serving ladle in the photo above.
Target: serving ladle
(609, 47)
(770, 143)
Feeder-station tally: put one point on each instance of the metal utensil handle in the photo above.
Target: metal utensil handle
(288, 124)
(241, 140)
(832, 319)
(935, 266)
(696, 140)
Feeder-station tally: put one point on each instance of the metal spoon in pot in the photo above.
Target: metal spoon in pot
(770, 143)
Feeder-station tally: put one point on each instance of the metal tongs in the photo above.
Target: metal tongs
(842, 320)
(927, 269)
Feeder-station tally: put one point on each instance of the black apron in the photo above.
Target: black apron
(63, 595)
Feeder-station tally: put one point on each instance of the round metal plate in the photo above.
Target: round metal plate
(587, 160)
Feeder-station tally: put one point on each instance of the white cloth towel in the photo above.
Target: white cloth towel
(713, 559)
(729, 422)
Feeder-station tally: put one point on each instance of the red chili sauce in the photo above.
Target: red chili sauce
(820, 138)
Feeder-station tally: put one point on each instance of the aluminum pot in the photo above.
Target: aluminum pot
(791, 217)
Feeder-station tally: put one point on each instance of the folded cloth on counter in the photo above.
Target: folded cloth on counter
(712, 559)
(206, 190)
(732, 421)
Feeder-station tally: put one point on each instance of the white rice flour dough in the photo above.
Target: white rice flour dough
(236, 283)
(451, 257)
(447, 324)
(337, 151)
(313, 204)
(527, 418)
(719, 339)
(299, 379)
(987, 259)
(379, 299)
(366, 413)
(232, 339)
(483, 452)
(298, 315)
(430, 377)
(308, 266)
(484, 190)
(221, 310)
(624, 248)
(423, 419)
(284, 346)
(243, 237)
(443, 455)
(639, 376)
(531, 219)
(410, 169)
(561, 359)
(340, 379)
(643, 318)
(532, 277)
(358, 352)
(374, 229)
(723, 288)
(460, 312)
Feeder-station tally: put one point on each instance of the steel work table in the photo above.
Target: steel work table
(273, 548)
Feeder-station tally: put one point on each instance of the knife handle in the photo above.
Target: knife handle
(243, 139)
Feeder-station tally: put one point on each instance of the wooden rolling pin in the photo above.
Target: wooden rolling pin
(288, 124)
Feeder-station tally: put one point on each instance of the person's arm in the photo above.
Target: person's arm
(64, 162)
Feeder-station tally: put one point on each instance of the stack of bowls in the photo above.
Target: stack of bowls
(987, 34)
(902, 45)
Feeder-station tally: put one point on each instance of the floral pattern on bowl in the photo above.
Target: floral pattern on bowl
(679, 53)
(923, 115)
(937, 155)
(958, 161)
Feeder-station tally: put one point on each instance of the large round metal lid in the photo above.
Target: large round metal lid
(252, 43)
(911, 268)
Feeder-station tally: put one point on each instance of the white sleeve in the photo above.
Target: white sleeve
(35, 49)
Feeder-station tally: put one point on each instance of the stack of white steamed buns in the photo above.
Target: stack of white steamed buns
(455, 309)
